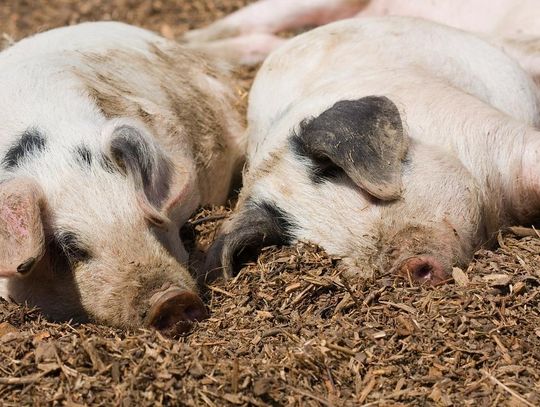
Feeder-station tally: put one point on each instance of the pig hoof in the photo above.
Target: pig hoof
(175, 311)
(424, 270)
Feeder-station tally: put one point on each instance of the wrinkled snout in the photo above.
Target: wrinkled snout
(173, 311)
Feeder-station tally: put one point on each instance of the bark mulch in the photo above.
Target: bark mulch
(289, 329)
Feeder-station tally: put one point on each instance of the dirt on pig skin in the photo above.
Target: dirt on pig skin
(290, 329)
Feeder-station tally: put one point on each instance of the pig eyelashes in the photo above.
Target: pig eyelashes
(68, 243)
(31, 142)
(322, 169)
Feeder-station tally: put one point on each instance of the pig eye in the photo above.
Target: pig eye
(324, 169)
(69, 245)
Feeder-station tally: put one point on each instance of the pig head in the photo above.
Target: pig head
(407, 180)
(364, 190)
(122, 136)
(91, 256)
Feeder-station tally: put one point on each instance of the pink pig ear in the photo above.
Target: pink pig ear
(22, 240)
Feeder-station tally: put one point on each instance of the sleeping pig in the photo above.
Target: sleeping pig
(397, 144)
(110, 137)
(247, 34)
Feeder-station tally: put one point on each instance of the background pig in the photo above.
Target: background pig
(248, 33)
(397, 144)
(110, 137)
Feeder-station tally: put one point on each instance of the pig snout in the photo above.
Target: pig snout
(173, 311)
(425, 255)
(424, 269)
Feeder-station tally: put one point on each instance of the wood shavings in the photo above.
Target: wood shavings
(288, 330)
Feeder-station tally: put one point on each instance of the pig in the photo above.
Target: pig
(396, 144)
(110, 138)
(248, 34)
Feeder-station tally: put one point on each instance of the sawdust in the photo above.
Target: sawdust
(288, 330)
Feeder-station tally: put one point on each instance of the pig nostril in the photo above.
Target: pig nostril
(193, 313)
(423, 272)
(174, 312)
(424, 269)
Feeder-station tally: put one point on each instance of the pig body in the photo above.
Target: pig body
(396, 144)
(503, 17)
(248, 33)
(110, 137)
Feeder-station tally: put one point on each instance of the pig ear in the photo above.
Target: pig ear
(22, 240)
(255, 226)
(136, 155)
(364, 138)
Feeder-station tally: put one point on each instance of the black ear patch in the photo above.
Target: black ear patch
(138, 157)
(257, 225)
(363, 138)
(132, 153)
(31, 142)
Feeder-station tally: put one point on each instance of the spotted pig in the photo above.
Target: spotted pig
(110, 137)
(397, 144)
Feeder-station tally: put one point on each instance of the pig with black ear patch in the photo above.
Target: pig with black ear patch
(397, 144)
(110, 137)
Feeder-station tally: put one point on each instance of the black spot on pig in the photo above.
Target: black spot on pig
(259, 224)
(280, 222)
(30, 143)
(107, 164)
(84, 156)
(362, 138)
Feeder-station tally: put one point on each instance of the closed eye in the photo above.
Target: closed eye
(70, 245)
(324, 169)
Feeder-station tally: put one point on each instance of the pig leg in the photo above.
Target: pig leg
(272, 16)
(250, 49)
(246, 36)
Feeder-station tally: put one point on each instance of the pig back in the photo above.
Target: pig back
(94, 72)
(359, 57)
